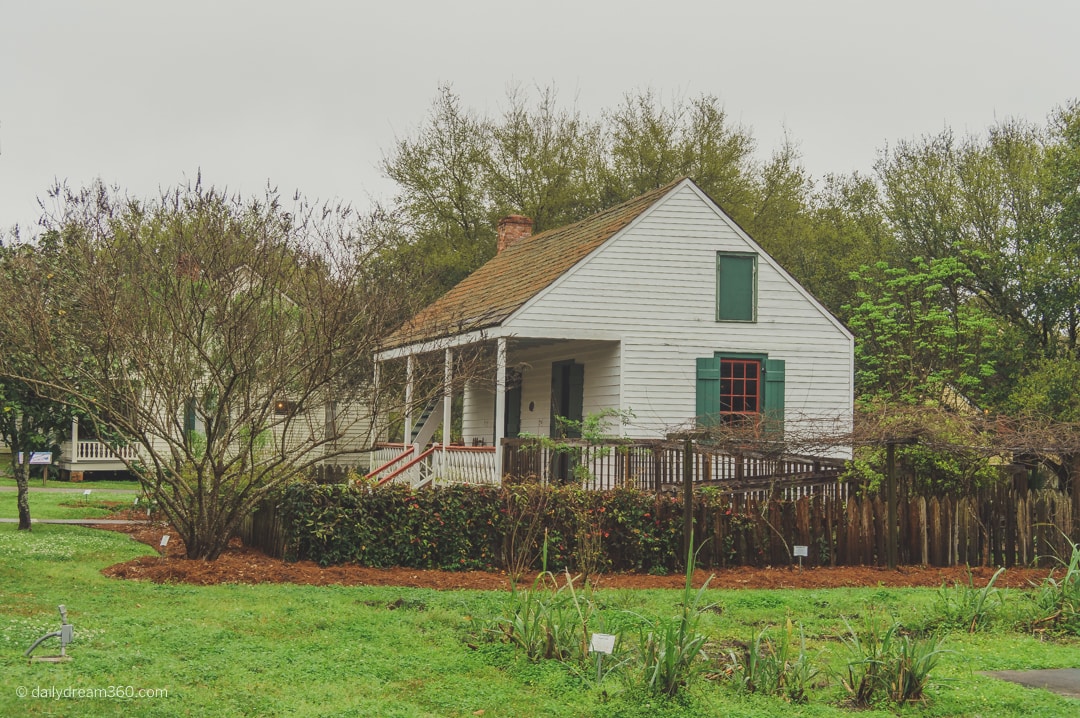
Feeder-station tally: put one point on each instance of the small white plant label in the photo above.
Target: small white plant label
(86, 493)
(800, 550)
(602, 643)
(164, 540)
(135, 502)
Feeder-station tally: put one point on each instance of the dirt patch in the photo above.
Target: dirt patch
(240, 564)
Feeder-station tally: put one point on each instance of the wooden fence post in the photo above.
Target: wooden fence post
(891, 537)
(688, 500)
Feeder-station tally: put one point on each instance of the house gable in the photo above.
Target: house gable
(635, 267)
(654, 285)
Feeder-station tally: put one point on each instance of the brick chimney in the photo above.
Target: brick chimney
(511, 229)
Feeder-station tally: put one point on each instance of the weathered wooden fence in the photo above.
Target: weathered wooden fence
(1003, 526)
(1000, 527)
(264, 530)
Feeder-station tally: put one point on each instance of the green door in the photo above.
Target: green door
(567, 403)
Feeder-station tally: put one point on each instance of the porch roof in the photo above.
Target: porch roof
(488, 296)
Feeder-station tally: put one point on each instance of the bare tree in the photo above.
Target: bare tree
(229, 341)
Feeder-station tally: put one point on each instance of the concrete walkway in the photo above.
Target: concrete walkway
(58, 490)
(81, 522)
(1063, 681)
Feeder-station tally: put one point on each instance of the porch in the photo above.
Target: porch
(481, 391)
(81, 454)
(85, 456)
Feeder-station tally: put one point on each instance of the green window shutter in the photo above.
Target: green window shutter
(512, 424)
(189, 417)
(575, 410)
(774, 395)
(708, 391)
(735, 291)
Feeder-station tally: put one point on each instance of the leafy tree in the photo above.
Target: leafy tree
(442, 195)
(1047, 395)
(539, 162)
(460, 172)
(1059, 269)
(230, 341)
(28, 423)
(846, 230)
(914, 342)
(982, 202)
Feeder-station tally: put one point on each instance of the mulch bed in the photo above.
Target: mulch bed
(240, 564)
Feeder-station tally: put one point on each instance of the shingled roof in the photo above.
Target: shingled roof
(488, 296)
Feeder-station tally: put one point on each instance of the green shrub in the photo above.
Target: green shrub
(670, 650)
(882, 660)
(481, 527)
(781, 668)
(1057, 600)
(969, 608)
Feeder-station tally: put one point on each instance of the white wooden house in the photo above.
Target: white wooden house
(662, 306)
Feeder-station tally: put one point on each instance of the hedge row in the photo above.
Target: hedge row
(477, 527)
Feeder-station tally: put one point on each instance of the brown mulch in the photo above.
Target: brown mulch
(240, 564)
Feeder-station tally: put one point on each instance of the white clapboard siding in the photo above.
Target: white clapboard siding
(654, 285)
(478, 419)
(356, 433)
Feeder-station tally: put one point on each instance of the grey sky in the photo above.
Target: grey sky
(308, 94)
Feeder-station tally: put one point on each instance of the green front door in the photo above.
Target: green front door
(567, 403)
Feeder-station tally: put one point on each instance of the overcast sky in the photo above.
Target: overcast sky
(308, 94)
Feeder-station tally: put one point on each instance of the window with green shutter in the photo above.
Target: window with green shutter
(734, 387)
(736, 287)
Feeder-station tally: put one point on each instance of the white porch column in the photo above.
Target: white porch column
(448, 397)
(74, 439)
(500, 404)
(406, 437)
(373, 433)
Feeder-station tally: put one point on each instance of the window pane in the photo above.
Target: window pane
(740, 387)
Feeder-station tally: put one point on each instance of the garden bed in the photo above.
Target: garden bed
(240, 564)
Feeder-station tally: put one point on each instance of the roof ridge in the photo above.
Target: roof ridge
(613, 209)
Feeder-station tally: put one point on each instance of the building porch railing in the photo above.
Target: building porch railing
(658, 466)
(643, 465)
(399, 463)
(97, 452)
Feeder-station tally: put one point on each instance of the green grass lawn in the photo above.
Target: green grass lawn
(52, 483)
(375, 651)
(49, 505)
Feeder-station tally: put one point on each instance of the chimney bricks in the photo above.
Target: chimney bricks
(513, 228)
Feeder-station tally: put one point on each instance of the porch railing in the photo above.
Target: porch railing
(99, 451)
(464, 465)
(658, 466)
(437, 465)
(644, 465)
(387, 458)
